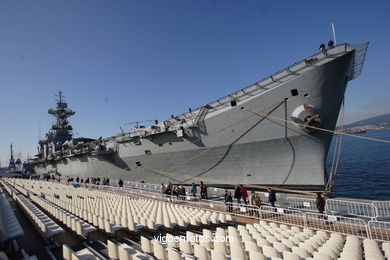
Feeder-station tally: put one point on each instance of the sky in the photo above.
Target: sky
(120, 61)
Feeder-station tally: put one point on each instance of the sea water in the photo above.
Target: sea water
(364, 167)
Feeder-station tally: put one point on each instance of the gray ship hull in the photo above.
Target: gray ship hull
(234, 144)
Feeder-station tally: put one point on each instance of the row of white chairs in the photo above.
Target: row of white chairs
(317, 245)
(119, 210)
(76, 224)
(43, 223)
(9, 225)
(83, 254)
(64, 213)
(373, 251)
(124, 251)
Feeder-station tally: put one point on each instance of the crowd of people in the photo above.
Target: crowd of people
(93, 180)
(78, 180)
(240, 192)
(176, 190)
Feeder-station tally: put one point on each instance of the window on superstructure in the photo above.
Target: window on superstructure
(148, 152)
(138, 163)
(233, 103)
(294, 92)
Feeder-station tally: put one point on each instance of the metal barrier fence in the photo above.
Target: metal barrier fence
(245, 210)
(346, 207)
(379, 230)
(382, 208)
(377, 209)
(339, 224)
(307, 204)
(282, 215)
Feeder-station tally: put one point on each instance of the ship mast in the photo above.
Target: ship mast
(61, 130)
(11, 160)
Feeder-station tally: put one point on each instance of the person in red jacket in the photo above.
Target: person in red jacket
(244, 193)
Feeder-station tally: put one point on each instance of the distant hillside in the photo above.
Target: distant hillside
(382, 121)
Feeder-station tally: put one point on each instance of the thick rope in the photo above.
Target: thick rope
(336, 155)
(317, 128)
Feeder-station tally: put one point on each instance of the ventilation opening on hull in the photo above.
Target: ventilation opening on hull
(170, 143)
(160, 145)
(294, 92)
(138, 163)
(233, 103)
(306, 95)
(148, 152)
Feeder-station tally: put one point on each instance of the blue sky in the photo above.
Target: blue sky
(118, 61)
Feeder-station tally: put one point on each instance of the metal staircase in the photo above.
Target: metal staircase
(360, 55)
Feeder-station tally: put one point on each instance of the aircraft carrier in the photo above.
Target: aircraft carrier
(268, 133)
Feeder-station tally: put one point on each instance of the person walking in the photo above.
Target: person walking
(252, 198)
(237, 194)
(162, 188)
(225, 195)
(320, 203)
(203, 190)
(271, 197)
(229, 201)
(244, 193)
(194, 189)
(258, 203)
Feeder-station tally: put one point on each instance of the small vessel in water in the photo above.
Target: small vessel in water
(266, 134)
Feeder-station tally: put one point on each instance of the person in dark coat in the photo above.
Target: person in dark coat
(229, 201)
(244, 193)
(330, 44)
(320, 203)
(203, 190)
(271, 197)
(120, 183)
(237, 194)
(323, 49)
(226, 194)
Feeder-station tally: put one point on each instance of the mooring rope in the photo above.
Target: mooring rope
(317, 128)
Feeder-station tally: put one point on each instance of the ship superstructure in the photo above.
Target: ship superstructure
(263, 134)
(59, 141)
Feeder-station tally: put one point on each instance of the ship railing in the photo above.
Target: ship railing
(267, 82)
(382, 208)
(338, 224)
(346, 207)
(282, 215)
(379, 230)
